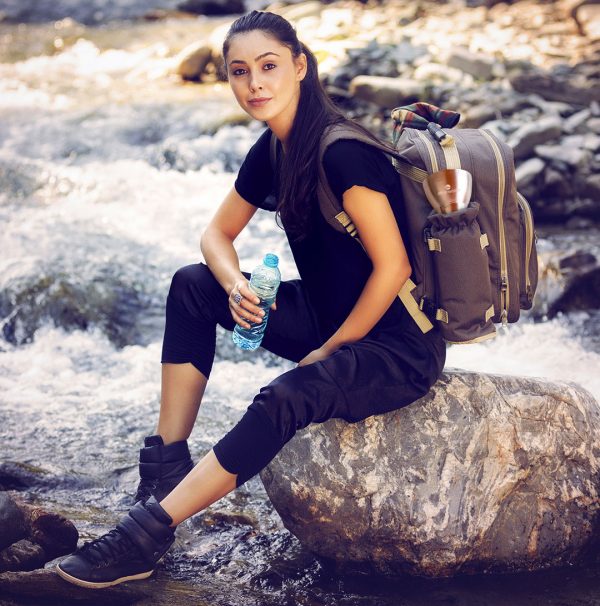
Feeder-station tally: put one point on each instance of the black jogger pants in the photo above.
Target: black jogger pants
(390, 367)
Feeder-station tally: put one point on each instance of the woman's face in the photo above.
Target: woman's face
(265, 77)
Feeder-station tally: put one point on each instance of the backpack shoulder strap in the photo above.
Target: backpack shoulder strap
(337, 217)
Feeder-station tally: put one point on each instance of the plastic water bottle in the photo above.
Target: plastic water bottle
(264, 282)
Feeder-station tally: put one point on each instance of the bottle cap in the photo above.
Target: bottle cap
(271, 260)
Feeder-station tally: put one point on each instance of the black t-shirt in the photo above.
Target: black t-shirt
(333, 267)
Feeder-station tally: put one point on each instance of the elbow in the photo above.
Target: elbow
(205, 237)
(396, 274)
(403, 273)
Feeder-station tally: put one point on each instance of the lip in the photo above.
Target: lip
(259, 101)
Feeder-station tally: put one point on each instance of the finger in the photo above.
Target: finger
(236, 298)
(247, 315)
(248, 294)
(240, 320)
(251, 304)
(274, 306)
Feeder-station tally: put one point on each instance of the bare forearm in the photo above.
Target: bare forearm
(221, 258)
(379, 292)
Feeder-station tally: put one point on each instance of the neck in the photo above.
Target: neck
(281, 131)
(281, 125)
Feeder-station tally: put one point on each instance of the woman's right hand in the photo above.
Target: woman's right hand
(247, 309)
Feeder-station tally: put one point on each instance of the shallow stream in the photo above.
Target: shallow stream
(110, 168)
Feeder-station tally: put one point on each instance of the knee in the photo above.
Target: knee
(190, 277)
(281, 403)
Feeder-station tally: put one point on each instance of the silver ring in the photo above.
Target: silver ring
(237, 298)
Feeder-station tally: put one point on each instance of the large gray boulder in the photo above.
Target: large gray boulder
(485, 473)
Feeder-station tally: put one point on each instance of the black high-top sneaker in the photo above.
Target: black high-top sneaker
(162, 467)
(127, 553)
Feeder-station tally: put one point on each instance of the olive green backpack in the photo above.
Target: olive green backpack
(472, 268)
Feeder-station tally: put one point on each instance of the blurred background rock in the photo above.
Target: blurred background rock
(119, 138)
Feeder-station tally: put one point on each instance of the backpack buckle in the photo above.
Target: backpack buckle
(428, 307)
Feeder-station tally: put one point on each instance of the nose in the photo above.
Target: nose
(254, 82)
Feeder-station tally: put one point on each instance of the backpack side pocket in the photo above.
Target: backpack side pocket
(463, 288)
(528, 266)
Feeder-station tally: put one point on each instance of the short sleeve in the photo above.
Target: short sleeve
(255, 181)
(348, 163)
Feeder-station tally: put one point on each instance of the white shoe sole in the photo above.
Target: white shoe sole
(92, 585)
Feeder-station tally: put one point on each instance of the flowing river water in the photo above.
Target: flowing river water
(110, 168)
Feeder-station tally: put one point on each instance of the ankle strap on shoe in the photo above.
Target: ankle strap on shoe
(155, 508)
(151, 535)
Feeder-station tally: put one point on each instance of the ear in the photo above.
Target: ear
(301, 67)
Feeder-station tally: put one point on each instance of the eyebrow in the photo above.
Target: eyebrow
(255, 58)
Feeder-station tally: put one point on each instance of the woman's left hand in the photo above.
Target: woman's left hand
(314, 356)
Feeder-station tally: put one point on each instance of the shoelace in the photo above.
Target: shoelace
(108, 547)
(145, 488)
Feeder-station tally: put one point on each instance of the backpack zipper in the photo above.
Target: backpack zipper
(505, 287)
(528, 238)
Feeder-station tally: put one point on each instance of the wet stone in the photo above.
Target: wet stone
(577, 260)
(582, 293)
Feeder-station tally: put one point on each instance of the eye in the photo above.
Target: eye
(239, 71)
(269, 65)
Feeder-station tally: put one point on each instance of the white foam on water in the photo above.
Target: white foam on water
(549, 350)
(109, 172)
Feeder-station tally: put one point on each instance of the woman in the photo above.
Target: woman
(358, 351)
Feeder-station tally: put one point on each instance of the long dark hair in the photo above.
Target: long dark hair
(298, 174)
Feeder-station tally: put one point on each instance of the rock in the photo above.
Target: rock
(590, 187)
(577, 260)
(589, 141)
(31, 536)
(588, 20)
(582, 293)
(46, 587)
(578, 120)
(12, 521)
(478, 115)
(529, 171)
(556, 185)
(478, 65)
(559, 108)
(556, 88)
(439, 73)
(387, 92)
(193, 60)
(212, 7)
(407, 53)
(23, 555)
(20, 476)
(302, 10)
(593, 125)
(484, 473)
(564, 154)
(524, 140)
